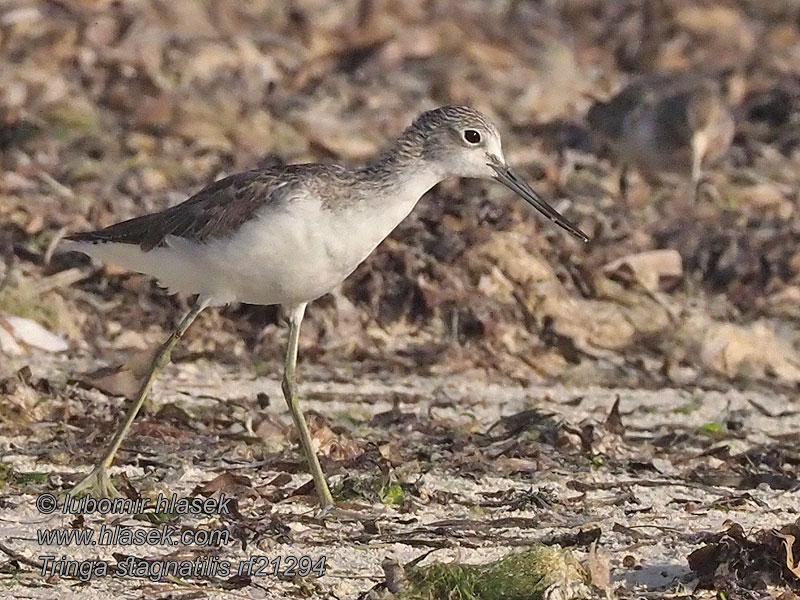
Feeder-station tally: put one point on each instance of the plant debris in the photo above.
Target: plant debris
(533, 574)
(733, 559)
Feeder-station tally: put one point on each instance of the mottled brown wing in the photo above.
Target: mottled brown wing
(673, 132)
(215, 211)
(643, 96)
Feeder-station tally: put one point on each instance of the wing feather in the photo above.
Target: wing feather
(217, 210)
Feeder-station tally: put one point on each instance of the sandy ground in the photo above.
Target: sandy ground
(656, 517)
(114, 109)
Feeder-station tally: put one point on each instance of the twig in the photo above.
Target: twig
(20, 558)
(61, 279)
(610, 485)
(8, 261)
(57, 187)
(51, 247)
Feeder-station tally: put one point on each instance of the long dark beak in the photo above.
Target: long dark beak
(506, 176)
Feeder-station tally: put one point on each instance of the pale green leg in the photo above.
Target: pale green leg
(98, 482)
(289, 386)
(699, 148)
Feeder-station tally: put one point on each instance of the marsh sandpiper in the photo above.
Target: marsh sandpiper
(666, 124)
(289, 235)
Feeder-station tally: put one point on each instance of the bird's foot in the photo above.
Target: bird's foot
(97, 483)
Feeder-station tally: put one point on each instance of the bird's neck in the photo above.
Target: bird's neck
(402, 171)
(387, 190)
(395, 188)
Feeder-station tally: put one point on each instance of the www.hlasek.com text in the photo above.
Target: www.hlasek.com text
(200, 567)
(119, 535)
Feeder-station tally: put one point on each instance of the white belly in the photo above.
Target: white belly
(300, 254)
(288, 256)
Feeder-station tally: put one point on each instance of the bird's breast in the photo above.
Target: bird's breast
(304, 250)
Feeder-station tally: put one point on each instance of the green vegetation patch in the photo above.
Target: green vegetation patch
(23, 302)
(9, 475)
(538, 572)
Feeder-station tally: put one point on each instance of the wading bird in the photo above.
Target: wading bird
(289, 235)
(673, 124)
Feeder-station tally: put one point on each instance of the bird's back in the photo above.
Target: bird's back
(216, 211)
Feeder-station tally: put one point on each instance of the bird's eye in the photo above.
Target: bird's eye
(471, 136)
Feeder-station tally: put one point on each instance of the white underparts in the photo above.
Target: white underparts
(287, 254)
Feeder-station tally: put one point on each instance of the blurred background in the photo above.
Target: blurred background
(110, 109)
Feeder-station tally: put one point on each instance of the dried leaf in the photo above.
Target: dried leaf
(224, 482)
(335, 446)
(599, 566)
(121, 380)
(788, 545)
(614, 421)
(653, 270)
(754, 351)
(27, 332)
(273, 433)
